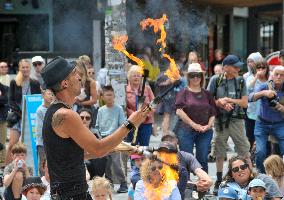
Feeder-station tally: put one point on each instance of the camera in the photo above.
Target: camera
(192, 186)
(20, 163)
(273, 101)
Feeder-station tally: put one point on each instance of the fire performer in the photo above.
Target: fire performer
(66, 138)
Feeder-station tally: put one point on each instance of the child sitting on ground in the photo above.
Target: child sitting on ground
(135, 173)
(101, 189)
(227, 193)
(257, 189)
(33, 188)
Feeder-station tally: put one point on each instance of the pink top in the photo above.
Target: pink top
(131, 102)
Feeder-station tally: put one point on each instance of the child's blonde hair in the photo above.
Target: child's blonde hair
(274, 166)
(102, 183)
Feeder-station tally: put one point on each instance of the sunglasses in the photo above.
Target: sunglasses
(154, 168)
(241, 167)
(260, 67)
(37, 63)
(88, 118)
(194, 74)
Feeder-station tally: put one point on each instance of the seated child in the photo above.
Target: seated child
(101, 189)
(33, 188)
(135, 173)
(227, 193)
(257, 189)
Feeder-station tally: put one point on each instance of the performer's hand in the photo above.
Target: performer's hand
(137, 117)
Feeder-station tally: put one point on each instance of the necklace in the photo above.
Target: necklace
(57, 101)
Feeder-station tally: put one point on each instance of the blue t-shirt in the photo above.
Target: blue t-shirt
(265, 111)
(109, 119)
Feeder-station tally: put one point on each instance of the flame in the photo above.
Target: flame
(158, 25)
(173, 71)
(169, 178)
(119, 42)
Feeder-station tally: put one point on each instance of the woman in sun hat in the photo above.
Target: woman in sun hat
(196, 110)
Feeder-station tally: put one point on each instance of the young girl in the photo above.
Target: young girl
(33, 188)
(101, 189)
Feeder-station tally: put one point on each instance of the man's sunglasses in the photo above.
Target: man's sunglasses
(37, 63)
(241, 167)
(88, 118)
(194, 74)
(154, 168)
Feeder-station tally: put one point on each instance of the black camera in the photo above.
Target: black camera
(273, 101)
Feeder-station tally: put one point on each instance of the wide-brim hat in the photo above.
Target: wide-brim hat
(55, 71)
(32, 182)
(232, 60)
(194, 67)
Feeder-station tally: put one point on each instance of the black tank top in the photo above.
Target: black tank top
(65, 158)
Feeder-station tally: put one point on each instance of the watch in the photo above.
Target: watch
(129, 125)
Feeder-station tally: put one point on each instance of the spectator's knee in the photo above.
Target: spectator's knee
(19, 176)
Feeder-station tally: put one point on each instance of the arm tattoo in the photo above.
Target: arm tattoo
(57, 120)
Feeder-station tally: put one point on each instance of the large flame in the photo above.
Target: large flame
(158, 25)
(169, 178)
(173, 71)
(119, 42)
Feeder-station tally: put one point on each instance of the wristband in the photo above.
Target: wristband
(129, 125)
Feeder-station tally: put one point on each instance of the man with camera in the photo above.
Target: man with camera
(229, 91)
(270, 118)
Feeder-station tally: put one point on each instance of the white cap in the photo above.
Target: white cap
(255, 57)
(194, 67)
(37, 59)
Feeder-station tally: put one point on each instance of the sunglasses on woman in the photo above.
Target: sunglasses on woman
(241, 167)
(192, 75)
(88, 118)
(154, 168)
(260, 67)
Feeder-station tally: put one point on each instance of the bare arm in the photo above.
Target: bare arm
(94, 98)
(204, 181)
(264, 93)
(67, 123)
(9, 178)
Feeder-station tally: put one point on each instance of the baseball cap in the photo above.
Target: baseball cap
(194, 67)
(167, 147)
(232, 60)
(257, 183)
(228, 193)
(37, 59)
(55, 71)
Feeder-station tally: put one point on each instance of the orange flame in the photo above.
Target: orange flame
(169, 178)
(173, 71)
(119, 42)
(158, 25)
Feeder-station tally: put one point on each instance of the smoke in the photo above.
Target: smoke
(186, 29)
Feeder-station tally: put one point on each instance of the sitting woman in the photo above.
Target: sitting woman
(154, 185)
(240, 174)
(33, 188)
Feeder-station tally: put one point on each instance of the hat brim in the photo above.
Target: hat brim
(33, 185)
(238, 64)
(225, 196)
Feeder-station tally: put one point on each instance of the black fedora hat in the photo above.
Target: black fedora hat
(55, 71)
(32, 182)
